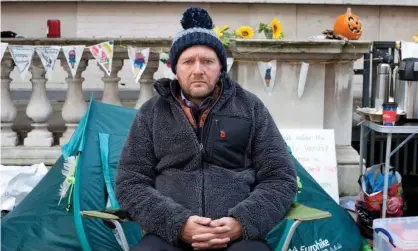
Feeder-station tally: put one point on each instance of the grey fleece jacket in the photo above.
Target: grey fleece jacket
(238, 166)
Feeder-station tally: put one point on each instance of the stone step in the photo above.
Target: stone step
(26, 156)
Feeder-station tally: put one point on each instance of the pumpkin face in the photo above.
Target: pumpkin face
(348, 26)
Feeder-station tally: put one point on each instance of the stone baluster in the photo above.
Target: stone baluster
(146, 90)
(8, 108)
(39, 108)
(111, 88)
(74, 106)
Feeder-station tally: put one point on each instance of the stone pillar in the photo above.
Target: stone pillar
(8, 108)
(338, 116)
(111, 88)
(74, 106)
(39, 108)
(147, 90)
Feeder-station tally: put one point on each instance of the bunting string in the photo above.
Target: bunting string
(103, 53)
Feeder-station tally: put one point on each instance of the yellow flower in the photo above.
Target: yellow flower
(218, 32)
(245, 32)
(224, 28)
(276, 28)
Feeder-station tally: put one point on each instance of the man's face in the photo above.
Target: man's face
(198, 70)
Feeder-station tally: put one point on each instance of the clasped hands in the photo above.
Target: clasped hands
(205, 233)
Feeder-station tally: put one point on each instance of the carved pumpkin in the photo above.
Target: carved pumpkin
(348, 25)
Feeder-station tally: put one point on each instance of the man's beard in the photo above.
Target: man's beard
(200, 93)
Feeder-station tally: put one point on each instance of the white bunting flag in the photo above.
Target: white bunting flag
(3, 50)
(303, 75)
(139, 60)
(268, 74)
(164, 67)
(229, 62)
(73, 55)
(48, 55)
(103, 53)
(22, 56)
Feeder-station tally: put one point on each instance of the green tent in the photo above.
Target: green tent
(39, 223)
(43, 221)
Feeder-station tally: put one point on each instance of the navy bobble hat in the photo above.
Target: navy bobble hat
(197, 30)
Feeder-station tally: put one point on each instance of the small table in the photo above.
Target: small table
(404, 128)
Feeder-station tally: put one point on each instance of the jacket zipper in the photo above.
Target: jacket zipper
(200, 144)
(202, 173)
(208, 119)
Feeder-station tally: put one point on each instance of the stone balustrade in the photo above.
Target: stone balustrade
(326, 103)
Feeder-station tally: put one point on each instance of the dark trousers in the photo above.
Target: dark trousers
(152, 242)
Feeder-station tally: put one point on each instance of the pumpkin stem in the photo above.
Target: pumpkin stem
(348, 10)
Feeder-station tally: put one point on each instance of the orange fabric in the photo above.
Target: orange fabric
(188, 113)
(205, 113)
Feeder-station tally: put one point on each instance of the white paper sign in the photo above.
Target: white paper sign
(229, 62)
(22, 56)
(315, 150)
(3, 50)
(268, 74)
(73, 55)
(48, 55)
(139, 60)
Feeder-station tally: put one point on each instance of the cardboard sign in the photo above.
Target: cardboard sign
(315, 150)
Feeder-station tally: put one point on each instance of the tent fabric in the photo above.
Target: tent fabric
(339, 232)
(38, 223)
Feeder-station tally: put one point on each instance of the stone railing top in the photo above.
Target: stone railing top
(260, 49)
(299, 49)
(119, 43)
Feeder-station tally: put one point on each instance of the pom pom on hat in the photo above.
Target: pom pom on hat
(196, 18)
(197, 30)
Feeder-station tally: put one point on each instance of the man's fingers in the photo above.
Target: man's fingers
(216, 223)
(218, 241)
(219, 222)
(202, 220)
(211, 244)
(220, 230)
(203, 237)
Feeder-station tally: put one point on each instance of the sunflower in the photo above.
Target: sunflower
(220, 31)
(276, 28)
(245, 32)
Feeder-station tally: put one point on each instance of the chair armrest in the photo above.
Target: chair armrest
(304, 213)
(108, 214)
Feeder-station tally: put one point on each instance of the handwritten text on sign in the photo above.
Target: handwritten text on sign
(315, 150)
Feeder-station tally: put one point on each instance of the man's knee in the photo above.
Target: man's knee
(152, 242)
(249, 245)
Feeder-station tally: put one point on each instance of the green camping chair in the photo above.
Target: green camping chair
(297, 214)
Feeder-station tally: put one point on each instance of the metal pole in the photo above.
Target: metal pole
(366, 80)
(361, 148)
(386, 179)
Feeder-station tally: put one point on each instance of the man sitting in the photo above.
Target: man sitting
(204, 165)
